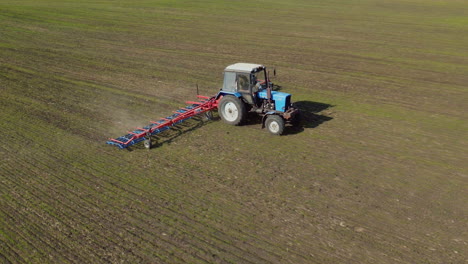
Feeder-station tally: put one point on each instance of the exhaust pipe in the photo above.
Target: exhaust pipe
(267, 79)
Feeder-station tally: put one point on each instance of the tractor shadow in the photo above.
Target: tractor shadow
(312, 116)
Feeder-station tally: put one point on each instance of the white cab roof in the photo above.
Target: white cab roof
(243, 67)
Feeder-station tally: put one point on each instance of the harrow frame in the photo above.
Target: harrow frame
(194, 108)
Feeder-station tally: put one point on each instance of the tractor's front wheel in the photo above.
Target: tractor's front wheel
(275, 124)
(232, 110)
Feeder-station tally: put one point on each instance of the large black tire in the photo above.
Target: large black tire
(275, 124)
(232, 110)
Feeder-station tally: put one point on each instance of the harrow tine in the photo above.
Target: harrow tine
(194, 103)
(115, 140)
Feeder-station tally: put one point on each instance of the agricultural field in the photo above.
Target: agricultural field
(376, 173)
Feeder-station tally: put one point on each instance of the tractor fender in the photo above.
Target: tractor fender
(265, 117)
(223, 93)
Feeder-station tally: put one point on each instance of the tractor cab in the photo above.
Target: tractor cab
(246, 79)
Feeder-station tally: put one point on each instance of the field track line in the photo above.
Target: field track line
(45, 194)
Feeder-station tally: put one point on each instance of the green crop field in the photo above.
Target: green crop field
(376, 173)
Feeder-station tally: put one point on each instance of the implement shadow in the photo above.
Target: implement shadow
(311, 116)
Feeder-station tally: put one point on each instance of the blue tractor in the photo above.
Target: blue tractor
(247, 88)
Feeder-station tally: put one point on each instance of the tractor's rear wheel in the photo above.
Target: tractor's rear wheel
(275, 124)
(232, 110)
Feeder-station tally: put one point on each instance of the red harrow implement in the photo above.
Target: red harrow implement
(205, 105)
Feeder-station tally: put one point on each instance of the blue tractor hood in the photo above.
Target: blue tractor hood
(282, 100)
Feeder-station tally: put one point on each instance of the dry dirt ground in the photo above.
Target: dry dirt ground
(375, 174)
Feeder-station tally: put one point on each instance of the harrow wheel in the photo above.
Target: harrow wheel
(148, 143)
(208, 116)
(275, 124)
(232, 110)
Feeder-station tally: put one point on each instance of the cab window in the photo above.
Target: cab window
(243, 82)
(229, 82)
